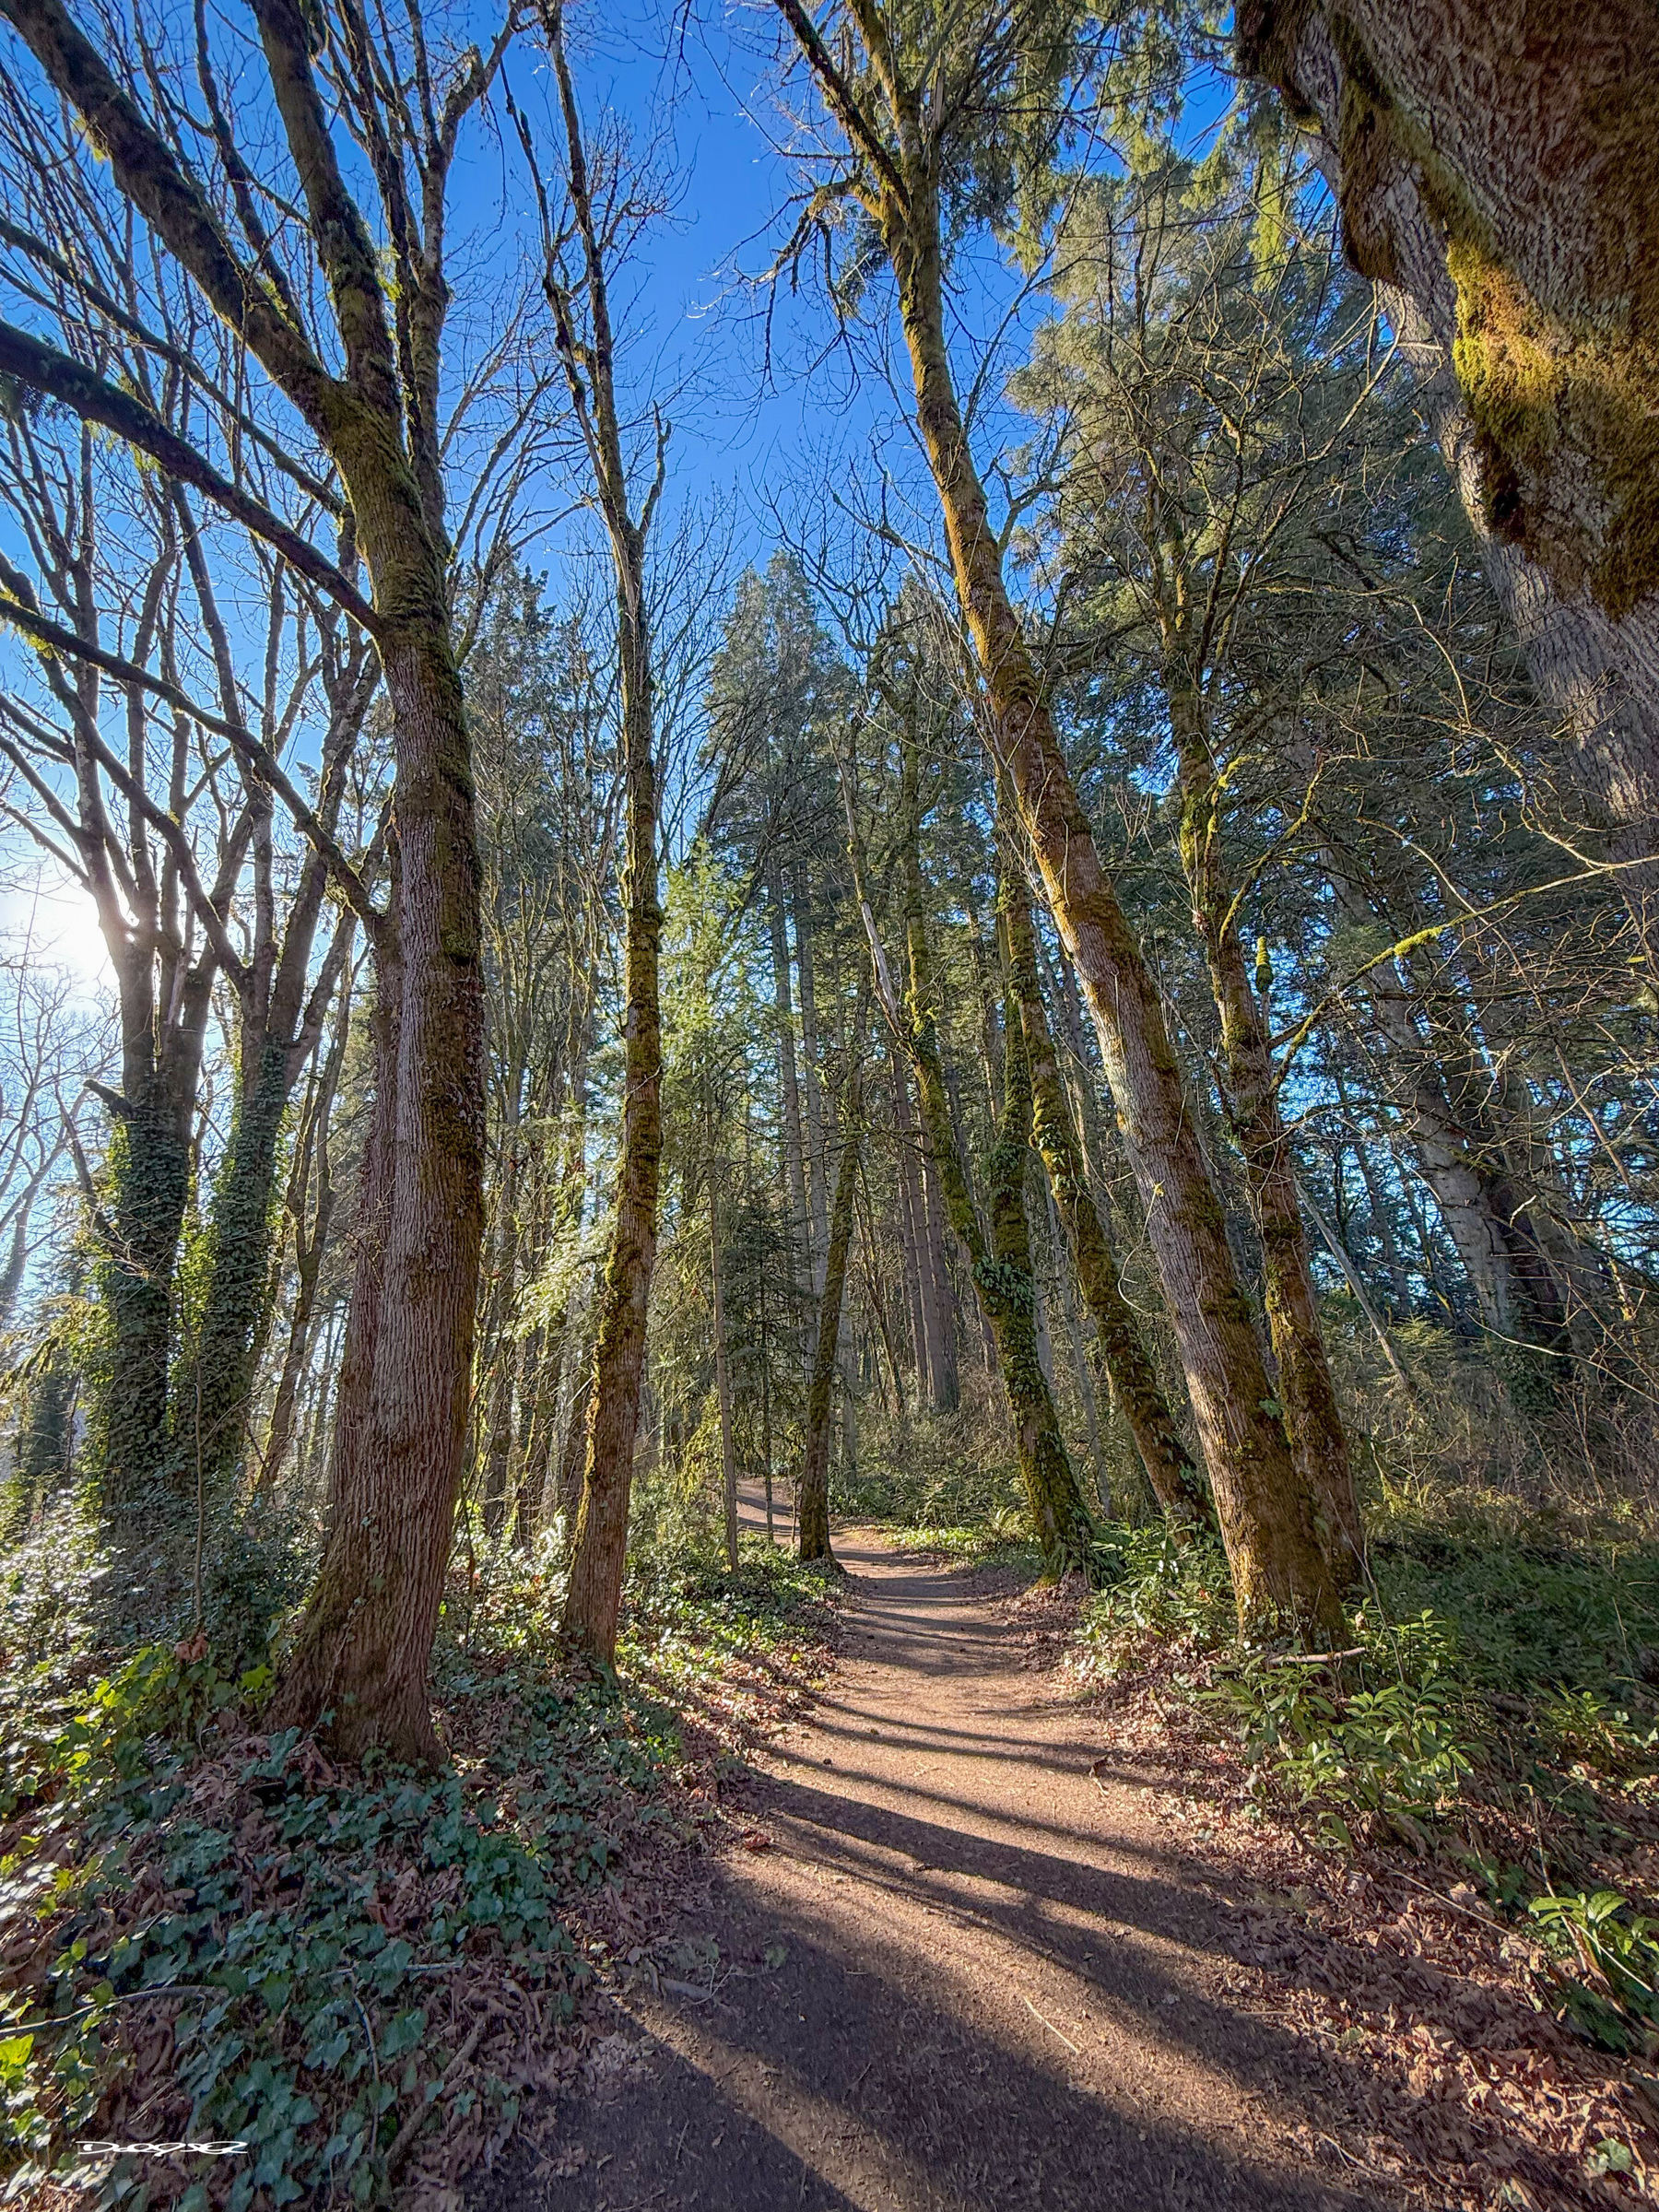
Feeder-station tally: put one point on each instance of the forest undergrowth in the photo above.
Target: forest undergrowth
(210, 1934)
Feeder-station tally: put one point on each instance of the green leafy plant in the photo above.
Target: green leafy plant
(1616, 2002)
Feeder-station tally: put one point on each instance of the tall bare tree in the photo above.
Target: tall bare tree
(349, 348)
(584, 239)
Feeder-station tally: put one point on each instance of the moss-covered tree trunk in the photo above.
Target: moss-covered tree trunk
(932, 1315)
(1497, 176)
(148, 1172)
(163, 1014)
(1003, 1279)
(1313, 1418)
(800, 1237)
(216, 1399)
(1176, 1483)
(361, 1652)
(1286, 1570)
(722, 1376)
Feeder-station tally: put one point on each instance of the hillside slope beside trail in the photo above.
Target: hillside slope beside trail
(963, 1971)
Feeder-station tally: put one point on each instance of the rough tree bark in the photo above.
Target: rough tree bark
(1176, 1483)
(1496, 174)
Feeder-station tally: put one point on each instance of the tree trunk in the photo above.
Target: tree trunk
(138, 1232)
(1287, 1569)
(817, 1172)
(241, 1236)
(150, 1179)
(924, 1323)
(1075, 1347)
(878, 1302)
(363, 1648)
(1488, 164)
(496, 1359)
(723, 1380)
(1313, 1419)
(310, 1244)
(595, 1597)
(812, 1498)
(800, 1232)
(1003, 1275)
(1176, 1483)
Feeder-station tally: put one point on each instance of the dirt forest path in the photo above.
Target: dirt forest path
(969, 1973)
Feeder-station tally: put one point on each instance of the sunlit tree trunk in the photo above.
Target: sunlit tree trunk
(1313, 1419)
(1290, 1564)
(1175, 1481)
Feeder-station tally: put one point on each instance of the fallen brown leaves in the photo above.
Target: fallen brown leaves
(1450, 2077)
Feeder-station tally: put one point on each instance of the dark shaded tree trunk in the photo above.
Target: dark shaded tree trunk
(935, 1368)
(722, 1379)
(812, 1498)
(800, 1233)
(817, 1169)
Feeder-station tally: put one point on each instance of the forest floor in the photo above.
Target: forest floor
(956, 1961)
(983, 1940)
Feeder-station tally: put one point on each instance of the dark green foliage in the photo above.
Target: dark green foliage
(315, 1921)
(212, 1390)
(148, 1174)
